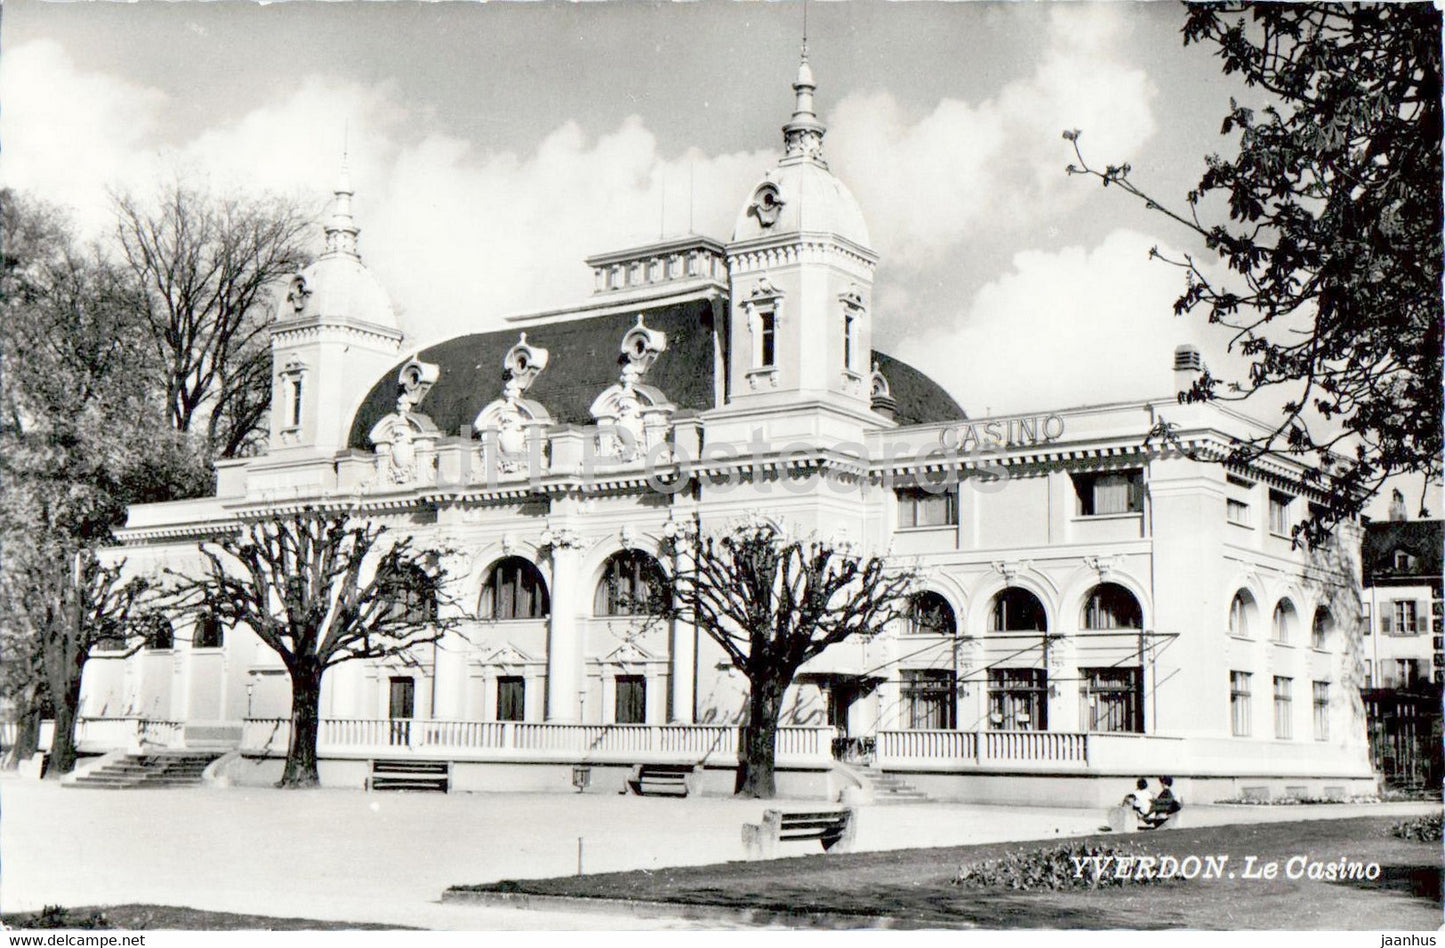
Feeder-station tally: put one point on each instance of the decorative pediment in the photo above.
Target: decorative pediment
(507, 655)
(628, 653)
(634, 419)
(507, 424)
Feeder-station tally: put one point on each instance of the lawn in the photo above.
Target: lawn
(167, 918)
(916, 887)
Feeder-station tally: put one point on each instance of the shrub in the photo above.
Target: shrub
(55, 916)
(1426, 829)
(1050, 869)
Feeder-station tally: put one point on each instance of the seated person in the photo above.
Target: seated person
(1141, 801)
(1165, 804)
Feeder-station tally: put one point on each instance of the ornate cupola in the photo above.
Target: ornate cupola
(335, 332)
(801, 279)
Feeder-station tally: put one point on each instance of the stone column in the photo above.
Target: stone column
(564, 632)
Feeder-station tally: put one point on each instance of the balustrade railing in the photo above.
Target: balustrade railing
(1030, 748)
(598, 742)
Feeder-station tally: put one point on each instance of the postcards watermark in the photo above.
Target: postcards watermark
(971, 453)
(1221, 866)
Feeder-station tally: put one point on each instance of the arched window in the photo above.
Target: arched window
(1283, 621)
(1320, 629)
(514, 589)
(1111, 606)
(208, 632)
(158, 634)
(1018, 610)
(632, 584)
(413, 596)
(930, 614)
(1239, 614)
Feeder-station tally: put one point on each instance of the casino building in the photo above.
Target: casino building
(1097, 605)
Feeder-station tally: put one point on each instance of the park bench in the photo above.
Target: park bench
(1124, 819)
(835, 829)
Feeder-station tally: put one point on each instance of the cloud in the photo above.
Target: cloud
(970, 170)
(66, 134)
(1073, 327)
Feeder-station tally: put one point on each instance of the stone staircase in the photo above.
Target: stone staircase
(160, 769)
(890, 788)
(433, 775)
(662, 780)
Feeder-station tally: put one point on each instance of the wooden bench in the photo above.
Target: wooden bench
(1125, 819)
(664, 780)
(835, 829)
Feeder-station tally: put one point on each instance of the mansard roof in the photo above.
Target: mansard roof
(1422, 539)
(585, 360)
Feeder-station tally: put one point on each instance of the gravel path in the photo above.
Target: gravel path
(386, 857)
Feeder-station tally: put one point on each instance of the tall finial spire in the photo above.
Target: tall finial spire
(341, 229)
(803, 135)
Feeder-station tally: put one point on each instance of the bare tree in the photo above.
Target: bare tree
(772, 602)
(67, 605)
(203, 265)
(320, 588)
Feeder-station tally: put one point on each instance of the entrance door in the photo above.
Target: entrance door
(403, 706)
(841, 695)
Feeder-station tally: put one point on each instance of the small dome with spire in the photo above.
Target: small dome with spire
(338, 285)
(801, 194)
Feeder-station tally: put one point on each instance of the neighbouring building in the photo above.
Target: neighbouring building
(1099, 604)
(1404, 660)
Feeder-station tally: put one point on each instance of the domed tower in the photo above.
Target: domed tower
(801, 278)
(334, 334)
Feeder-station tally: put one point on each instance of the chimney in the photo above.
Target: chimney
(1188, 366)
(1397, 507)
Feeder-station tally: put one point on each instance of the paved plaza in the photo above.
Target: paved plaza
(386, 857)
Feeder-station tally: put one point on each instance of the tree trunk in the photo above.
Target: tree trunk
(305, 727)
(62, 746)
(27, 736)
(755, 768)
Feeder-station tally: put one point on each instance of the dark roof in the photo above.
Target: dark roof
(1420, 538)
(584, 358)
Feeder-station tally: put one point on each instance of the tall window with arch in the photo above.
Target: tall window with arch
(1240, 609)
(1282, 623)
(514, 589)
(1111, 606)
(632, 584)
(930, 614)
(1018, 610)
(413, 596)
(1321, 628)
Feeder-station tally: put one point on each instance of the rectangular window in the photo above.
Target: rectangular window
(1366, 619)
(1112, 699)
(1239, 710)
(848, 341)
(920, 508)
(296, 402)
(767, 339)
(1283, 708)
(1369, 674)
(1018, 699)
(1321, 699)
(631, 700)
(1238, 512)
(928, 699)
(1099, 495)
(1406, 619)
(1279, 513)
(511, 698)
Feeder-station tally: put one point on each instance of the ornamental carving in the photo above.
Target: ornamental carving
(634, 419)
(405, 440)
(767, 204)
(297, 292)
(508, 425)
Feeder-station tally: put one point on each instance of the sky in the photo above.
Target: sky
(493, 146)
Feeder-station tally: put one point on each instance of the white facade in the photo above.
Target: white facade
(1099, 603)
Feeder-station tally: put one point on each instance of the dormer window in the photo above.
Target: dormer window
(1404, 562)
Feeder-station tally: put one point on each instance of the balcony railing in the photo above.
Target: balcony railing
(1025, 749)
(504, 740)
(127, 733)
